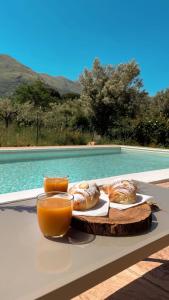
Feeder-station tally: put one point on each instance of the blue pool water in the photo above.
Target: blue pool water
(25, 170)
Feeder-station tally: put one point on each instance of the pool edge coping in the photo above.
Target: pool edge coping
(82, 147)
(156, 176)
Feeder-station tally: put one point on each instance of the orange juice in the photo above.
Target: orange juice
(55, 184)
(54, 214)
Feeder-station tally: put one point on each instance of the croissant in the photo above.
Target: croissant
(86, 195)
(121, 191)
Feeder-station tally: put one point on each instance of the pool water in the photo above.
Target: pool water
(28, 174)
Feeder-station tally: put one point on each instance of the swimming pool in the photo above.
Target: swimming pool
(22, 170)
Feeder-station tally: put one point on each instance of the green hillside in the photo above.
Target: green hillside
(13, 73)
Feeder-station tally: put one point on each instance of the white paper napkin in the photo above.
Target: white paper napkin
(139, 200)
(100, 210)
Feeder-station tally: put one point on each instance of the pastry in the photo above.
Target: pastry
(121, 191)
(86, 195)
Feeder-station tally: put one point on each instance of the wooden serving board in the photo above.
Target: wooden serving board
(118, 222)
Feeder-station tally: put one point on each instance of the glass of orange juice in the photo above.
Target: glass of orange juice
(56, 184)
(54, 212)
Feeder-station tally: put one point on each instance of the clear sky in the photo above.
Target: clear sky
(61, 37)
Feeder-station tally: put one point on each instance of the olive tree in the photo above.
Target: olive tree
(112, 92)
(8, 110)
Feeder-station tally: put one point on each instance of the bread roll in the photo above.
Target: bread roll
(121, 191)
(86, 195)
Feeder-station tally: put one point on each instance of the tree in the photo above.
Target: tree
(37, 93)
(28, 115)
(70, 95)
(69, 114)
(111, 93)
(7, 110)
(160, 103)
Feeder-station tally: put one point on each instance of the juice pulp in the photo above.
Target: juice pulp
(55, 184)
(54, 215)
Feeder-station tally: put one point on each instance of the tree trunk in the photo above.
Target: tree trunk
(37, 129)
(6, 122)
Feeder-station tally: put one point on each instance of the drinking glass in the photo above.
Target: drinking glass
(56, 184)
(54, 212)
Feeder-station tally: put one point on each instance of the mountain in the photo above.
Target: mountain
(13, 73)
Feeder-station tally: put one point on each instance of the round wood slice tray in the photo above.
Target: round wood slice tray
(118, 222)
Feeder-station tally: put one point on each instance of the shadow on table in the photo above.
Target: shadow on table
(75, 237)
(151, 286)
(79, 237)
(153, 225)
(151, 228)
(18, 208)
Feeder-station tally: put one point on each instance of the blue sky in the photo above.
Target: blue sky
(62, 37)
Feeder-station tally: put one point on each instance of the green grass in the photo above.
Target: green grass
(15, 136)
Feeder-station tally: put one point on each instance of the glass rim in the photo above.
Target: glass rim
(51, 177)
(55, 193)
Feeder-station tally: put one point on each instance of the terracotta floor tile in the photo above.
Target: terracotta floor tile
(108, 287)
(140, 289)
(164, 184)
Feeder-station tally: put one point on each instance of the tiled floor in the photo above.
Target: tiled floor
(164, 184)
(146, 280)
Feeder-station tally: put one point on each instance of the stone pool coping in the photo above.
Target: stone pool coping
(84, 147)
(156, 176)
